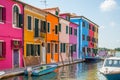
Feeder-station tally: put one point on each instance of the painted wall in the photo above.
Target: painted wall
(64, 39)
(85, 30)
(51, 37)
(79, 38)
(73, 38)
(8, 33)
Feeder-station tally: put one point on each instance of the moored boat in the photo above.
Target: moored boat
(40, 70)
(111, 68)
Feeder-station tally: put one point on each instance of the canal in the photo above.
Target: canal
(80, 71)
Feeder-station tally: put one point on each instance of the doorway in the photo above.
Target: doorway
(16, 58)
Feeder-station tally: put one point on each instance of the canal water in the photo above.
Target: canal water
(80, 71)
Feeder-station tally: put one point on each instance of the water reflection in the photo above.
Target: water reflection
(81, 71)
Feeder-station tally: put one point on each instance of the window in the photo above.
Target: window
(48, 47)
(93, 29)
(89, 27)
(56, 48)
(2, 14)
(74, 47)
(48, 27)
(29, 19)
(32, 50)
(2, 49)
(83, 37)
(63, 47)
(88, 38)
(56, 29)
(75, 32)
(70, 30)
(17, 17)
(68, 18)
(43, 26)
(36, 32)
(56, 13)
(83, 49)
(59, 27)
(66, 29)
(83, 24)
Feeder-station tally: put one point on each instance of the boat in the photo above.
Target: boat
(111, 68)
(40, 70)
(93, 59)
(2, 73)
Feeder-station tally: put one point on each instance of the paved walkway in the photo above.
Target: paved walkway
(17, 71)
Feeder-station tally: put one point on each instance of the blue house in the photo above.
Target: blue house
(82, 33)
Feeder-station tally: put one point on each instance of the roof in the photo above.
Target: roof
(82, 17)
(29, 5)
(52, 8)
(114, 58)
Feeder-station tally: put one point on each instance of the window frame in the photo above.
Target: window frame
(31, 22)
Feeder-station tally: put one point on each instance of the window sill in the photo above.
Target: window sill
(2, 58)
(1, 22)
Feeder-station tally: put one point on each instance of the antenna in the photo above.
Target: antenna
(45, 2)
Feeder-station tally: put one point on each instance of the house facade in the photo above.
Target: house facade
(11, 32)
(52, 37)
(64, 39)
(34, 32)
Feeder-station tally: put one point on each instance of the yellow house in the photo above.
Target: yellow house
(96, 36)
(34, 31)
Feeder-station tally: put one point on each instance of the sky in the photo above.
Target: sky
(105, 13)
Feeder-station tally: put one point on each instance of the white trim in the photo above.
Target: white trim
(13, 58)
(31, 22)
(2, 41)
(12, 15)
(16, 39)
(1, 6)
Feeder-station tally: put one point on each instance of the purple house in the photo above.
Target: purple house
(73, 40)
(72, 36)
(11, 32)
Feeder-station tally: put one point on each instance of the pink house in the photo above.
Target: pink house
(72, 36)
(11, 23)
(64, 39)
(73, 40)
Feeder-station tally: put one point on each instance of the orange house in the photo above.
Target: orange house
(52, 37)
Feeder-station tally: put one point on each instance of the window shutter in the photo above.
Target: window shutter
(4, 14)
(38, 50)
(59, 27)
(44, 26)
(29, 23)
(20, 20)
(4, 49)
(32, 50)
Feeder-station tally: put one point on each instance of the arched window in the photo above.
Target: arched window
(17, 17)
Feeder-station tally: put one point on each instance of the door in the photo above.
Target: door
(52, 51)
(16, 58)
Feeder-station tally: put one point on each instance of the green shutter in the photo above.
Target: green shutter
(44, 26)
(66, 29)
(36, 28)
(20, 20)
(59, 27)
(48, 27)
(29, 22)
(56, 29)
(56, 13)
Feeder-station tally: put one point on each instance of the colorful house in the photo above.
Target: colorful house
(64, 39)
(52, 36)
(11, 32)
(34, 31)
(85, 36)
(72, 35)
(73, 40)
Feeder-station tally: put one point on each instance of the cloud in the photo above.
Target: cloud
(108, 5)
(102, 27)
